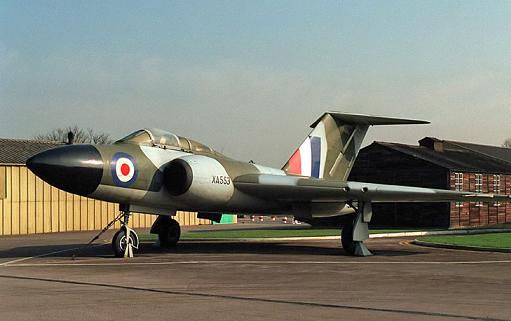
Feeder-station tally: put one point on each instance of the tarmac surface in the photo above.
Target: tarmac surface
(292, 280)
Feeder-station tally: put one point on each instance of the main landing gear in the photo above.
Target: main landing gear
(168, 231)
(355, 232)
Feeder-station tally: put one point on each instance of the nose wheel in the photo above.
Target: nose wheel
(126, 239)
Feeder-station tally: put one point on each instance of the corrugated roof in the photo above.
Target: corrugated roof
(17, 151)
(459, 156)
(499, 153)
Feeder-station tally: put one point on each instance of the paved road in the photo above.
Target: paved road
(299, 280)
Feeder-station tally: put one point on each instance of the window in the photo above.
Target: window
(140, 137)
(152, 137)
(479, 187)
(458, 185)
(496, 187)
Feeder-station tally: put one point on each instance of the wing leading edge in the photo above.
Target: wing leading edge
(303, 189)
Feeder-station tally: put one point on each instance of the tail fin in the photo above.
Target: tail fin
(331, 148)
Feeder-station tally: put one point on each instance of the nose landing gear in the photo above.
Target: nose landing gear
(125, 239)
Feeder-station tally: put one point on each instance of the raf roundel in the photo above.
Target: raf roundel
(124, 170)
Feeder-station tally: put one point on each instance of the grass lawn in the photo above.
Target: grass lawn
(263, 233)
(491, 240)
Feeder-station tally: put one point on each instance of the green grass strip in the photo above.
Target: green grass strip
(490, 240)
(263, 233)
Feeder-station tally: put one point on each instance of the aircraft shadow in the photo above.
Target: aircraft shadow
(195, 247)
(54, 251)
(260, 248)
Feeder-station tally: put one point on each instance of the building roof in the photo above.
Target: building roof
(458, 156)
(17, 151)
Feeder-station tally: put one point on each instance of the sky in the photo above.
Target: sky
(249, 77)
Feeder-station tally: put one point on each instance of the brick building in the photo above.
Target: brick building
(438, 164)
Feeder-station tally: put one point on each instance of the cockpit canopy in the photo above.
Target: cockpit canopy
(163, 139)
(152, 137)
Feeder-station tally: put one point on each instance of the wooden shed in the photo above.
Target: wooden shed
(29, 205)
(439, 164)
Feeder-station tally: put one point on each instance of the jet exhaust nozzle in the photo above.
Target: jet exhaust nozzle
(76, 169)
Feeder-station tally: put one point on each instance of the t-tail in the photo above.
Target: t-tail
(331, 148)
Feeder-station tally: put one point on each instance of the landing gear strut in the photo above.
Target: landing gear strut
(168, 231)
(125, 239)
(356, 232)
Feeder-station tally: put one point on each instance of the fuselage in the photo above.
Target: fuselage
(158, 174)
(212, 188)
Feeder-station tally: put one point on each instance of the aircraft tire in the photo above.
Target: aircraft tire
(119, 242)
(169, 234)
(347, 239)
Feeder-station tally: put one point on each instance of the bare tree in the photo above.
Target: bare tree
(507, 143)
(81, 136)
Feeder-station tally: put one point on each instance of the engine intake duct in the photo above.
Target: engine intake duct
(177, 177)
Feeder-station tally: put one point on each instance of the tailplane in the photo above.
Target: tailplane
(331, 148)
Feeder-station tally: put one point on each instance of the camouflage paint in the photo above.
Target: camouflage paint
(223, 185)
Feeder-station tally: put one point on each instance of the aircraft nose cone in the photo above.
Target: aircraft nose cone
(75, 168)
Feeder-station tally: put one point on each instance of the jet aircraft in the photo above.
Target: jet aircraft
(157, 172)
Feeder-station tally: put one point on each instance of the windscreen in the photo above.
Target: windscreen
(152, 137)
(140, 137)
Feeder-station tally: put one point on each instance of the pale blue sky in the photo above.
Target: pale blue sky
(248, 77)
